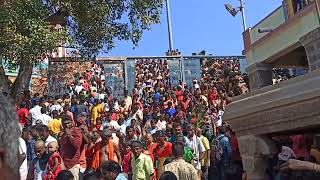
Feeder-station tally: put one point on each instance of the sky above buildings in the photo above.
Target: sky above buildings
(198, 25)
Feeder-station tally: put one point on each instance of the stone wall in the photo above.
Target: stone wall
(311, 43)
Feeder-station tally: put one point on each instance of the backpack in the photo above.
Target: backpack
(216, 150)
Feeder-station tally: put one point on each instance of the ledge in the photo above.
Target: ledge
(290, 105)
(286, 25)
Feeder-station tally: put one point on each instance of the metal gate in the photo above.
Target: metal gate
(115, 77)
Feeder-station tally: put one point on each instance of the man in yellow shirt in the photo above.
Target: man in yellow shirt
(101, 106)
(142, 166)
(55, 126)
(95, 112)
(205, 161)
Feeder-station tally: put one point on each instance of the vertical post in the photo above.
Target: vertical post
(318, 10)
(169, 25)
(126, 73)
(243, 16)
(285, 10)
(182, 69)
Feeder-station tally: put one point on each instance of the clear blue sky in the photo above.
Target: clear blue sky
(199, 25)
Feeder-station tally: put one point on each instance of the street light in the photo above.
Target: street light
(169, 26)
(233, 11)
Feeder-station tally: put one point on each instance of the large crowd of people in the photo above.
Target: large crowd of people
(282, 74)
(155, 128)
(157, 131)
(224, 74)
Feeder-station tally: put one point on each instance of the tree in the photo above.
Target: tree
(28, 30)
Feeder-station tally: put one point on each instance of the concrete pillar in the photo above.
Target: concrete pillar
(260, 75)
(311, 43)
(255, 150)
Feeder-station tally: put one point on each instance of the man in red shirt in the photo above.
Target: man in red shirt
(213, 95)
(23, 114)
(299, 146)
(86, 85)
(70, 144)
(179, 93)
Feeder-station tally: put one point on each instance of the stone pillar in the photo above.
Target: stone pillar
(260, 75)
(311, 43)
(255, 150)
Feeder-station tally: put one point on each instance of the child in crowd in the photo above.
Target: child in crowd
(126, 162)
(98, 126)
(55, 163)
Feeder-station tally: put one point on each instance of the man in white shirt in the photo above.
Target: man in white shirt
(195, 84)
(93, 88)
(196, 145)
(57, 106)
(35, 112)
(78, 88)
(138, 114)
(161, 124)
(101, 96)
(219, 118)
(102, 77)
(286, 154)
(115, 125)
(43, 131)
(116, 106)
(44, 118)
(23, 155)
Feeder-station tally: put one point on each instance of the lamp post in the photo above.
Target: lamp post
(243, 15)
(169, 25)
(234, 11)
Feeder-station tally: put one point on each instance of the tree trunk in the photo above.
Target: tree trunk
(23, 79)
(4, 82)
(2, 2)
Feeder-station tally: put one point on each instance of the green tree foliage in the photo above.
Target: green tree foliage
(95, 25)
(28, 30)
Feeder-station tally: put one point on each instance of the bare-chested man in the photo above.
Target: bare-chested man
(37, 170)
(105, 150)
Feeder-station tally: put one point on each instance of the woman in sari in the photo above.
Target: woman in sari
(162, 151)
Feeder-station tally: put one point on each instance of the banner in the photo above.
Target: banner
(175, 71)
(131, 74)
(114, 78)
(191, 70)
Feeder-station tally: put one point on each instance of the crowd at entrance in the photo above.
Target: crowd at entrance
(157, 131)
(158, 127)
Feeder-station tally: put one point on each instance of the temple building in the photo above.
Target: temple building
(289, 37)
